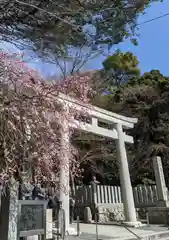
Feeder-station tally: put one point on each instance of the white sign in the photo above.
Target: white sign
(49, 224)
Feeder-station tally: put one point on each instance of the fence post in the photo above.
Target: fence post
(147, 218)
(94, 193)
(78, 226)
(96, 221)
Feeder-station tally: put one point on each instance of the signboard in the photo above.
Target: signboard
(31, 218)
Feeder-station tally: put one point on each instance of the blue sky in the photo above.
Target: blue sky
(153, 48)
(152, 51)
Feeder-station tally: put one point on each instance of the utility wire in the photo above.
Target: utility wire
(148, 21)
(153, 19)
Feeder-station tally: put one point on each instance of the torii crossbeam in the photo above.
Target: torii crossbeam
(118, 123)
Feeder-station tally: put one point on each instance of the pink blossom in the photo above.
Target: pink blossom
(27, 99)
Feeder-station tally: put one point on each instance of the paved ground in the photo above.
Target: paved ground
(112, 232)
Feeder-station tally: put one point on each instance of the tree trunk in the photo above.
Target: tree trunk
(9, 213)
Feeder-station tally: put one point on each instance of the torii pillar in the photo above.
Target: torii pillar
(64, 169)
(126, 187)
(117, 134)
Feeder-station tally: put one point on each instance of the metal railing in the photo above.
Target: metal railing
(78, 226)
(60, 224)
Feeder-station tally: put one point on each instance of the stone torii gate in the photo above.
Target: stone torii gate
(119, 124)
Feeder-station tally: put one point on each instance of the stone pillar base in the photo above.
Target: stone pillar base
(158, 215)
(132, 224)
(71, 231)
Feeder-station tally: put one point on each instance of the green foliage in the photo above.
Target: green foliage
(147, 98)
(120, 68)
(58, 23)
(134, 41)
(125, 62)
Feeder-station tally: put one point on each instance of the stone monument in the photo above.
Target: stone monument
(160, 213)
(160, 183)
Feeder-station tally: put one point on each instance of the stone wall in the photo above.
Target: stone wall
(103, 212)
(109, 212)
(158, 215)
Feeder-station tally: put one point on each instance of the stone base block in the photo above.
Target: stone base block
(158, 215)
(87, 215)
(162, 203)
(35, 237)
(71, 231)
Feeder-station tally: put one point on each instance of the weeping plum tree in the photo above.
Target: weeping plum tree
(30, 121)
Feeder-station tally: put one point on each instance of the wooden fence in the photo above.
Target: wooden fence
(144, 195)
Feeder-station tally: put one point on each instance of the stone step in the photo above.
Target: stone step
(154, 236)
